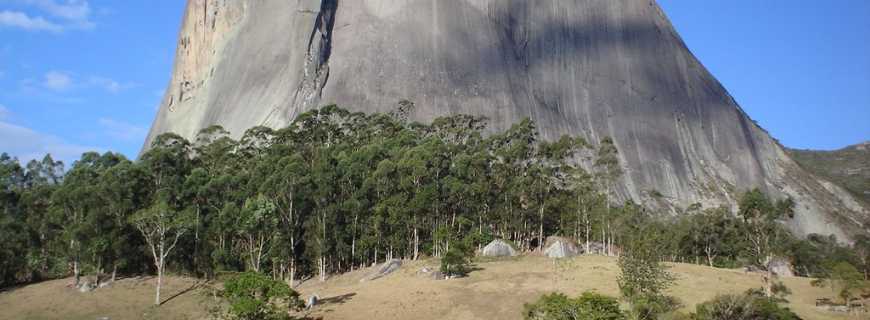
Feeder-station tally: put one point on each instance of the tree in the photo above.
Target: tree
(608, 172)
(162, 227)
(257, 227)
(457, 260)
(764, 232)
(862, 250)
(643, 279)
(845, 280)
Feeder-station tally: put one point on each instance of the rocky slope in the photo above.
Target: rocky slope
(848, 167)
(592, 68)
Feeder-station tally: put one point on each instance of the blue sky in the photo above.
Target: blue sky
(79, 75)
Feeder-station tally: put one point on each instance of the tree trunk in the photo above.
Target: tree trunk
(416, 243)
(541, 228)
(159, 283)
(322, 268)
(588, 231)
(76, 271)
(292, 272)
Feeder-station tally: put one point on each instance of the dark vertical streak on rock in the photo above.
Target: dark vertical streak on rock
(319, 50)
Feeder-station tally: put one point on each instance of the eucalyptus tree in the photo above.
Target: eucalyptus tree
(13, 235)
(123, 188)
(550, 172)
(257, 229)
(608, 171)
(765, 234)
(167, 216)
(75, 205)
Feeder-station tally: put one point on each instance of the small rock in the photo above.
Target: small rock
(311, 302)
(86, 287)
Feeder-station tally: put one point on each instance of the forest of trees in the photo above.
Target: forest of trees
(336, 191)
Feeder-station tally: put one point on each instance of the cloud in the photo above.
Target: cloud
(21, 20)
(108, 84)
(28, 144)
(57, 81)
(123, 131)
(72, 10)
(67, 14)
(4, 112)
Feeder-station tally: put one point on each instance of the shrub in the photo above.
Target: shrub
(643, 281)
(457, 260)
(557, 306)
(254, 296)
(749, 306)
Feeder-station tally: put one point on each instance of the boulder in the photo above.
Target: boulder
(498, 248)
(311, 302)
(431, 273)
(781, 267)
(388, 267)
(558, 247)
(87, 286)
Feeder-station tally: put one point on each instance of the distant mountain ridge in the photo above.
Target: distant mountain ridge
(848, 167)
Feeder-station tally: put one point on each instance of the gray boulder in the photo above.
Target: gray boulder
(781, 267)
(87, 286)
(311, 302)
(387, 268)
(558, 247)
(498, 248)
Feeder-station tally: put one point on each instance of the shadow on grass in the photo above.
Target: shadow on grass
(195, 286)
(337, 299)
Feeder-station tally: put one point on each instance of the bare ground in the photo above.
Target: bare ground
(497, 290)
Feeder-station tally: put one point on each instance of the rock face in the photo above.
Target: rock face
(591, 68)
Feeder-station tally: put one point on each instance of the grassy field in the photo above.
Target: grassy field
(497, 291)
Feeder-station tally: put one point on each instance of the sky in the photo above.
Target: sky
(83, 75)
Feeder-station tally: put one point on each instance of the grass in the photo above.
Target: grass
(497, 290)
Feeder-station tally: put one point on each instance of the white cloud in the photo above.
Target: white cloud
(57, 81)
(123, 131)
(28, 144)
(67, 14)
(73, 10)
(21, 20)
(4, 112)
(108, 84)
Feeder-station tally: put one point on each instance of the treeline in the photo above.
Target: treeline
(336, 190)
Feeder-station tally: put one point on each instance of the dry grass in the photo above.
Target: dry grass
(502, 287)
(498, 291)
(126, 299)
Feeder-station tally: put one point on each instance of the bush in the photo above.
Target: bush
(643, 281)
(457, 261)
(254, 296)
(557, 306)
(749, 306)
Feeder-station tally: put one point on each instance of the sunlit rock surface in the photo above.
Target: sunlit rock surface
(592, 68)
